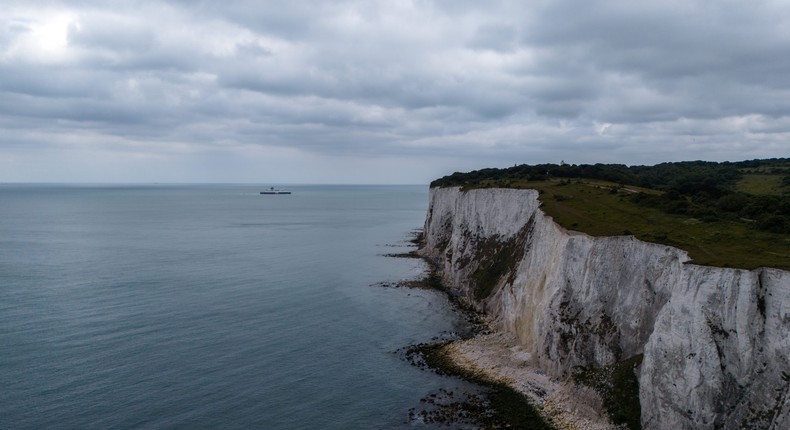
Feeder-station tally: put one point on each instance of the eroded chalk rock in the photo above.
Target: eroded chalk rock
(715, 341)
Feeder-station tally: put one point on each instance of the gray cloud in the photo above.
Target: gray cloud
(450, 85)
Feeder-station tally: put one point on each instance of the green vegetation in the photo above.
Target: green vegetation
(619, 388)
(722, 214)
(759, 184)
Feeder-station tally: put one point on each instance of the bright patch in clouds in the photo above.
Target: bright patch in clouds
(46, 37)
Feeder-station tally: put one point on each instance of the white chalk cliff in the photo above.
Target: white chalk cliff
(715, 341)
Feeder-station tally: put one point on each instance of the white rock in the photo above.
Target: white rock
(716, 341)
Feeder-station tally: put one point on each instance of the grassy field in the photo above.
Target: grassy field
(764, 185)
(593, 207)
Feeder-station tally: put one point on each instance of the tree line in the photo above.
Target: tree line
(701, 189)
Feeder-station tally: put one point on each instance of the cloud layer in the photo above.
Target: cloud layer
(403, 91)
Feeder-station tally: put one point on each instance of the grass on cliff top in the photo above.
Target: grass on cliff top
(591, 207)
(761, 185)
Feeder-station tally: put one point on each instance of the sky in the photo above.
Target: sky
(383, 92)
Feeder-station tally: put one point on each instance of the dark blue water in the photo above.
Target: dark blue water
(210, 307)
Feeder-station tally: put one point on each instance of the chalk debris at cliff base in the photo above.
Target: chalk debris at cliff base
(565, 404)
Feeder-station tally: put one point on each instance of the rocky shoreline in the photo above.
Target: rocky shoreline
(565, 404)
(493, 359)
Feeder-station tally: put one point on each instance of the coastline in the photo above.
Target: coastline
(496, 404)
(663, 341)
(493, 359)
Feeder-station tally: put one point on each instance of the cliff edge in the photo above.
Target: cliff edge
(713, 343)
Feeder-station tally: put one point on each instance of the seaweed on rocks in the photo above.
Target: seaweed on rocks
(499, 407)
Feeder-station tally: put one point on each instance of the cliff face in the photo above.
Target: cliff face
(714, 342)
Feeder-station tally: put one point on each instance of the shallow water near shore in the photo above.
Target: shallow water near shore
(212, 306)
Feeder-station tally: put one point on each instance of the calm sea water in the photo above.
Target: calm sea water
(210, 307)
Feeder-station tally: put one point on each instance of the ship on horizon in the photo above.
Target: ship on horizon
(273, 190)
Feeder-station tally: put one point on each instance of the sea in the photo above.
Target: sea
(212, 306)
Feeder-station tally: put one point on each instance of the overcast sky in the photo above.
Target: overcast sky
(383, 92)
